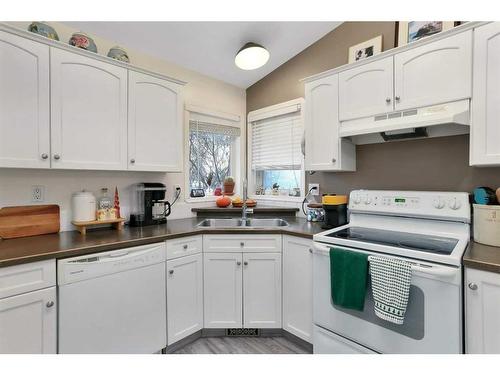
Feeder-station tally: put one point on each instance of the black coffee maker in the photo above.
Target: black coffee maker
(148, 204)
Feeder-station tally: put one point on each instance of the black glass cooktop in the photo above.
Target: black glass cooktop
(412, 241)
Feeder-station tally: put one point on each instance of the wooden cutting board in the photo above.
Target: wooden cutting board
(24, 221)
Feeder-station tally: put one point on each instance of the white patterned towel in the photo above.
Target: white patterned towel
(391, 280)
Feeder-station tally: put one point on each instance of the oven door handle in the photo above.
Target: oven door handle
(433, 270)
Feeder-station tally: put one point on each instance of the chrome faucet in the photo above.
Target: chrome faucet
(244, 209)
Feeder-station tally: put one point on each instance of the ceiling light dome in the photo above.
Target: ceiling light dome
(251, 56)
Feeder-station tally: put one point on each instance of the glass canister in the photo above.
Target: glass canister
(315, 212)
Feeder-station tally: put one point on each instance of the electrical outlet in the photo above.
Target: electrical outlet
(315, 191)
(37, 193)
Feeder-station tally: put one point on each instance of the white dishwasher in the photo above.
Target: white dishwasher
(113, 302)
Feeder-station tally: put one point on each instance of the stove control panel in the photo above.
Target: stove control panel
(452, 205)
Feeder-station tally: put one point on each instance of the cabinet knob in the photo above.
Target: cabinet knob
(132, 161)
(334, 160)
(245, 263)
(171, 272)
(311, 251)
(242, 244)
(397, 98)
(387, 100)
(57, 156)
(45, 156)
(49, 304)
(238, 263)
(184, 247)
(472, 286)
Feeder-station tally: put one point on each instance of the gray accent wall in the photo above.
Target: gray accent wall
(428, 164)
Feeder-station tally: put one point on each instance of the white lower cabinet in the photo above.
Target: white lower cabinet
(297, 287)
(262, 290)
(482, 320)
(28, 308)
(184, 297)
(223, 297)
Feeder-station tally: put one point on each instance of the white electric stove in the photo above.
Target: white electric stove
(431, 230)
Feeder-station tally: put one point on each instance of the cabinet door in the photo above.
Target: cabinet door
(485, 129)
(322, 126)
(262, 290)
(89, 113)
(184, 297)
(28, 323)
(155, 136)
(438, 72)
(482, 312)
(222, 286)
(297, 287)
(366, 90)
(24, 103)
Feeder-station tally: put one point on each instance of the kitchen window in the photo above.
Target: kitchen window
(212, 155)
(275, 153)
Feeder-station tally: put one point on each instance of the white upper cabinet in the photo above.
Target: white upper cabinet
(435, 73)
(324, 150)
(485, 128)
(155, 136)
(482, 319)
(89, 113)
(366, 90)
(24, 103)
(262, 290)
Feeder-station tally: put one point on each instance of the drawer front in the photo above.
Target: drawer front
(28, 277)
(184, 246)
(248, 243)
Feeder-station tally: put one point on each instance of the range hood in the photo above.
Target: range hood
(426, 122)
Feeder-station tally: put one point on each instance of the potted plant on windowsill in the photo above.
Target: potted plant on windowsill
(229, 185)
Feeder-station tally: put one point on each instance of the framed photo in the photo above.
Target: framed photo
(411, 31)
(366, 49)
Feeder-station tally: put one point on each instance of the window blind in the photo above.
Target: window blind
(276, 143)
(206, 127)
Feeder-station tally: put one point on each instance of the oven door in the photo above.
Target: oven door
(433, 320)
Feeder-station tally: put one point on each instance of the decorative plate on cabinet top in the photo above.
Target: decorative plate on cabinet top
(118, 53)
(43, 29)
(83, 41)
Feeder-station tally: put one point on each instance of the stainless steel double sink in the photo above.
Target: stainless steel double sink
(240, 223)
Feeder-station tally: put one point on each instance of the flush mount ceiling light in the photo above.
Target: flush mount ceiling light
(251, 56)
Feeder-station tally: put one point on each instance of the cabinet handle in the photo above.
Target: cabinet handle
(50, 304)
(45, 156)
(132, 161)
(472, 286)
(334, 160)
(242, 244)
(184, 247)
(387, 100)
(397, 98)
(245, 263)
(57, 156)
(171, 272)
(238, 263)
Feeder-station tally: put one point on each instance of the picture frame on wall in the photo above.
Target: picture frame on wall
(411, 31)
(365, 49)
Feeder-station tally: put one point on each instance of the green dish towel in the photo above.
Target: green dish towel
(348, 276)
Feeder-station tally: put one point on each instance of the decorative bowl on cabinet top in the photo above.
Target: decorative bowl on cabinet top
(83, 41)
(119, 54)
(43, 29)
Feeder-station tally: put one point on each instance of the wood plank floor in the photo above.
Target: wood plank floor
(242, 345)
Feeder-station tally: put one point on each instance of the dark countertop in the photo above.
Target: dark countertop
(482, 257)
(67, 244)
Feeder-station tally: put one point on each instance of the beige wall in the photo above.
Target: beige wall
(431, 164)
(201, 90)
